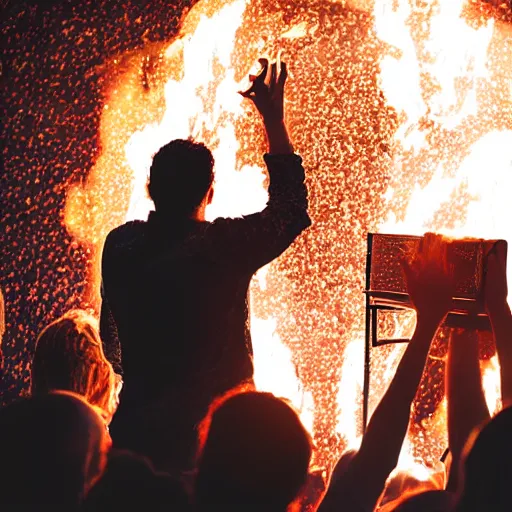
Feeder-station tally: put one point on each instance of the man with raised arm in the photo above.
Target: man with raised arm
(174, 317)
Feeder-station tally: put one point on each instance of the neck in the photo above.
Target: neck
(197, 215)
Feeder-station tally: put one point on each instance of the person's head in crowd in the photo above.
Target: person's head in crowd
(254, 454)
(487, 468)
(181, 179)
(54, 449)
(69, 356)
(130, 483)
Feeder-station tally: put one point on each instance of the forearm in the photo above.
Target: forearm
(501, 320)
(277, 137)
(387, 428)
(391, 417)
(466, 400)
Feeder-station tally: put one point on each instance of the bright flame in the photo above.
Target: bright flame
(349, 394)
(202, 101)
(492, 384)
(274, 370)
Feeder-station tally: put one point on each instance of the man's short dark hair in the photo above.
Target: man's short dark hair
(180, 176)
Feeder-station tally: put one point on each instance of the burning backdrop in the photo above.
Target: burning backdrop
(401, 110)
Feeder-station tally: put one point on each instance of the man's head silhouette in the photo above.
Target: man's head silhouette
(181, 178)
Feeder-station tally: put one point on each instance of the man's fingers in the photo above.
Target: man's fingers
(273, 78)
(283, 75)
(262, 75)
(407, 269)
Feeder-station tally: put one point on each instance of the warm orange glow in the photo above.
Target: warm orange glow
(402, 107)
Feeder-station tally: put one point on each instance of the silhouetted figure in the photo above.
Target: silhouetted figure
(54, 448)
(130, 483)
(69, 356)
(175, 287)
(254, 455)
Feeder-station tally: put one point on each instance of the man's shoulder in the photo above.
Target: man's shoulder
(127, 234)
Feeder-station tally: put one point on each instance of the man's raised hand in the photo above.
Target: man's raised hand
(267, 90)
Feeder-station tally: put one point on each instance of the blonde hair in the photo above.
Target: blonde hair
(69, 356)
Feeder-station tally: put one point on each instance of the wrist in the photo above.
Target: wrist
(429, 320)
(272, 119)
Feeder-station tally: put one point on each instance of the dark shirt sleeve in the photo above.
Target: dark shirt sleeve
(109, 335)
(257, 239)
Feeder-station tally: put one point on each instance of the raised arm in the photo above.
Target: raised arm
(467, 408)
(496, 291)
(430, 289)
(254, 240)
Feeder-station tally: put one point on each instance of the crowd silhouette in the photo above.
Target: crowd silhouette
(155, 408)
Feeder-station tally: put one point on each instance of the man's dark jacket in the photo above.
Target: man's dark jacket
(174, 319)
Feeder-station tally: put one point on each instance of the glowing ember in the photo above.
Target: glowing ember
(394, 121)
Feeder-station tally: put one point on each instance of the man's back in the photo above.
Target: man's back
(181, 314)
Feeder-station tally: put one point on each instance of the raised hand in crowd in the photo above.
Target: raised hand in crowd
(358, 484)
